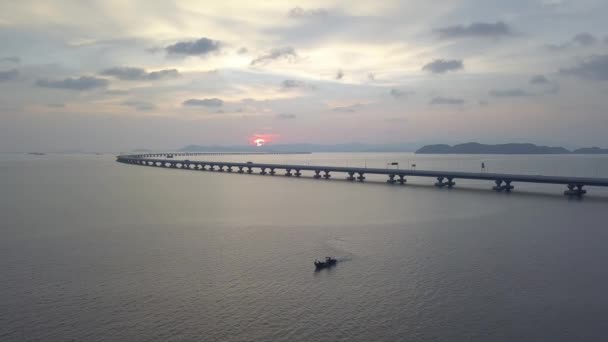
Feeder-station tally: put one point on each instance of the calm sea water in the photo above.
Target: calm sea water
(94, 250)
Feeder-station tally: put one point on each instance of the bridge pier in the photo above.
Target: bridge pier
(450, 183)
(507, 187)
(351, 176)
(249, 170)
(402, 180)
(240, 170)
(220, 168)
(263, 171)
(391, 179)
(317, 175)
(211, 167)
(288, 172)
(272, 172)
(327, 175)
(298, 173)
(361, 177)
(575, 190)
(440, 183)
(229, 169)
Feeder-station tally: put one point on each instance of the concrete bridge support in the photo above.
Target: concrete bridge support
(240, 170)
(298, 173)
(272, 172)
(402, 180)
(249, 170)
(440, 183)
(220, 168)
(288, 172)
(450, 183)
(391, 179)
(317, 174)
(327, 175)
(575, 190)
(351, 176)
(211, 167)
(263, 171)
(361, 177)
(507, 187)
(229, 169)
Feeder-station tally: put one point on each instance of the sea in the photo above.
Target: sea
(95, 250)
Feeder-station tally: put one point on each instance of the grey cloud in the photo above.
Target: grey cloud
(595, 68)
(397, 93)
(440, 66)
(213, 102)
(483, 103)
(199, 47)
(371, 76)
(9, 75)
(81, 83)
(242, 51)
(539, 80)
(139, 74)
(139, 105)
(295, 84)
(288, 53)
(339, 75)
(117, 92)
(299, 12)
(584, 39)
(56, 105)
(484, 30)
(12, 59)
(446, 101)
(286, 116)
(515, 92)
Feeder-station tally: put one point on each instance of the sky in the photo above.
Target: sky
(119, 75)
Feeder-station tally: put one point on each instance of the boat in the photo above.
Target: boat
(329, 262)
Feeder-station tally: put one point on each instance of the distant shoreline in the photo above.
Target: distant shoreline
(512, 148)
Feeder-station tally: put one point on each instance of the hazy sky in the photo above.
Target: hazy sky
(116, 75)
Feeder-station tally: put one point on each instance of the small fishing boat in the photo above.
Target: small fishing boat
(329, 262)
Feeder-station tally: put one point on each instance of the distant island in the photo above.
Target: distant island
(513, 148)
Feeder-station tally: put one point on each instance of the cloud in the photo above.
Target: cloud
(139, 74)
(295, 84)
(339, 75)
(539, 80)
(371, 76)
(446, 101)
(56, 105)
(139, 105)
(397, 93)
(9, 75)
(82, 83)
(514, 92)
(483, 103)
(475, 30)
(348, 109)
(440, 66)
(582, 39)
(595, 68)
(213, 102)
(299, 13)
(12, 59)
(242, 51)
(288, 53)
(199, 47)
(286, 116)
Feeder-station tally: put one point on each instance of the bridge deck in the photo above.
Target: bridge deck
(450, 175)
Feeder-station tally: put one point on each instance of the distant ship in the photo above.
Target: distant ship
(329, 262)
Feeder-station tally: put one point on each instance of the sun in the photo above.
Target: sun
(259, 142)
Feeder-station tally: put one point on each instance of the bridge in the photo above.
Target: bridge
(502, 181)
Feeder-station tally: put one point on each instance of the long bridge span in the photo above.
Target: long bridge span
(502, 181)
